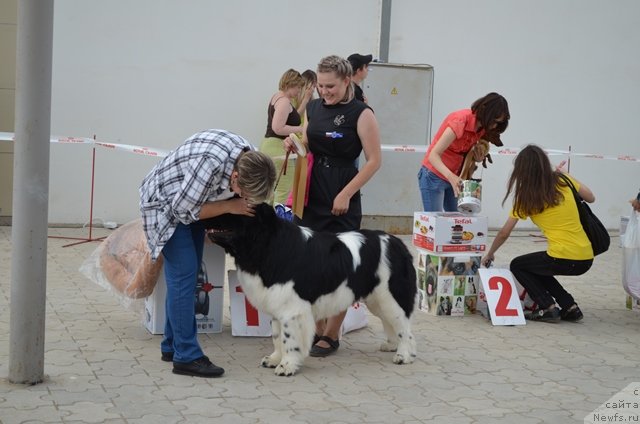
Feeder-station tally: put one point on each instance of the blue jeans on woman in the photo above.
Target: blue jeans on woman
(437, 194)
(182, 261)
(535, 271)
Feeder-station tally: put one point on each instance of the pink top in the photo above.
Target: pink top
(463, 124)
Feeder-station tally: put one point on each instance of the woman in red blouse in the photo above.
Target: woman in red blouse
(438, 177)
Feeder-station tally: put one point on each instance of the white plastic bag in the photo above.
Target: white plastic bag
(122, 264)
(631, 257)
(355, 319)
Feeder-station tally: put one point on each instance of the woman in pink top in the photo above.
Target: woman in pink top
(438, 177)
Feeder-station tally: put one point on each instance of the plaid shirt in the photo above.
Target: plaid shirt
(197, 172)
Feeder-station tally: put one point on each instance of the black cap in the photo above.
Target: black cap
(358, 61)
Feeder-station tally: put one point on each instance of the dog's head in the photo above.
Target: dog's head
(240, 232)
(451, 267)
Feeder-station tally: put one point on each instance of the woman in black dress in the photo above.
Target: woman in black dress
(337, 130)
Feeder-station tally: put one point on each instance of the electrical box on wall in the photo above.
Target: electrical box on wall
(401, 97)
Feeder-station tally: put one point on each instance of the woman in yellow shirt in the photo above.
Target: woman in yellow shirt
(539, 193)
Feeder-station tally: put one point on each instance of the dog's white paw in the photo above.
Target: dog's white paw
(389, 347)
(400, 358)
(286, 369)
(270, 361)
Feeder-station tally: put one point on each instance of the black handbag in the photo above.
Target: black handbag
(597, 233)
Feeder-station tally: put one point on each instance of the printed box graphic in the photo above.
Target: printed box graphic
(450, 232)
(448, 285)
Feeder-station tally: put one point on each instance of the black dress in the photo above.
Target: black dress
(334, 142)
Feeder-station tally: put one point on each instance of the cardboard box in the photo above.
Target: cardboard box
(450, 232)
(246, 320)
(208, 297)
(448, 285)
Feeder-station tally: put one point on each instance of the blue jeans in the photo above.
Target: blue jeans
(437, 194)
(535, 271)
(182, 259)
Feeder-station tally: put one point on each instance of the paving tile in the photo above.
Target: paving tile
(41, 414)
(101, 365)
(137, 401)
(89, 412)
(167, 419)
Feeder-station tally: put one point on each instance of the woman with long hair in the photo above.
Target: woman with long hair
(439, 176)
(541, 194)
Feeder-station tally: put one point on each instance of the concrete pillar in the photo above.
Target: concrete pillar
(30, 191)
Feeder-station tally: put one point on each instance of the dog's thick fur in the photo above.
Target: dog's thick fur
(299, 276)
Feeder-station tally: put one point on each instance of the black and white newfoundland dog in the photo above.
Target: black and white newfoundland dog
(299, 276)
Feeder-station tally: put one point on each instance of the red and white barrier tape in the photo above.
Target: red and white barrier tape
(140, 150)
(407, 148)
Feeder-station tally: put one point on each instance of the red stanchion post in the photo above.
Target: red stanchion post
(90, 239)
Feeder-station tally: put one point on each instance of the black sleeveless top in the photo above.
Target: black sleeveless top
(293, 119)
(333, 129)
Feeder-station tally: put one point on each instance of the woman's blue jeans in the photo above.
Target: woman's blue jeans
(182, 260)
(437, 194)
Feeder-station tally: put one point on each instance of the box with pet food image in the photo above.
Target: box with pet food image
(450, 232)
(448, 285)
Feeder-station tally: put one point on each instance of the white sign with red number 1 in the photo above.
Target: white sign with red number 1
(502, 296)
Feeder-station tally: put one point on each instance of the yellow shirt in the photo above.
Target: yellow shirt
(561, 226)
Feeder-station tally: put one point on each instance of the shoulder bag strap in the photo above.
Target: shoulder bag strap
(572, 187)
(582, 212)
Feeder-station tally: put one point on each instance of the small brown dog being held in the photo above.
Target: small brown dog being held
(478, 153)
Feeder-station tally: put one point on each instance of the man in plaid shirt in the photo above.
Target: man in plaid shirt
(212, 173)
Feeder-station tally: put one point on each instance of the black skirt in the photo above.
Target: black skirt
(328, 177)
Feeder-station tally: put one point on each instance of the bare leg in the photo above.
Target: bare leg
(320, 326)
(331, 329)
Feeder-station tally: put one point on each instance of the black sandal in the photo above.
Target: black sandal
(320, 352)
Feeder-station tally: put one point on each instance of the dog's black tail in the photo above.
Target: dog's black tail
(402, 283)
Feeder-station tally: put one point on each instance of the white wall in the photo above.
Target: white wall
(567, 67)
(151, 73)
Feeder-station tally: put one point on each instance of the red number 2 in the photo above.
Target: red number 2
(505, 295)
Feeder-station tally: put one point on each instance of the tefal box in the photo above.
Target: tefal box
(450, 232)
(448, 285)
(208, 296)
(246, 320)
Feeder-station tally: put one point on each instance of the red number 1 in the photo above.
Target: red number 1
(505, 295)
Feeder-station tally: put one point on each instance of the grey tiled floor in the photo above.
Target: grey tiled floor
(102, 366)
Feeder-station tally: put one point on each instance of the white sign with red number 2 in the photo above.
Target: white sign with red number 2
(502, 296)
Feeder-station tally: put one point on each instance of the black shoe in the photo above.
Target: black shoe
(572, 314)
(201, 367)
(320, 352)
(550, 315)
(167, 356)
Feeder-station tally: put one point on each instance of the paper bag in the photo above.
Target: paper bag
(301, 182)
